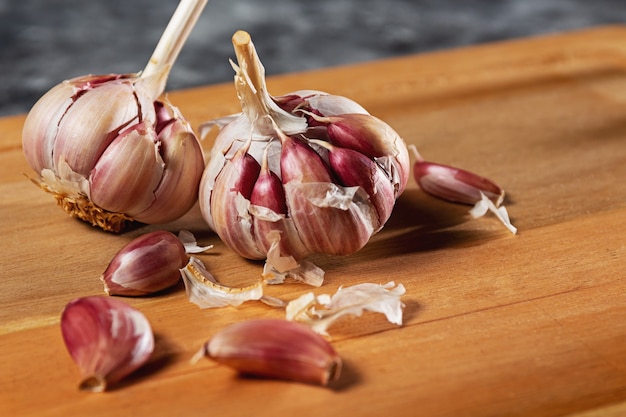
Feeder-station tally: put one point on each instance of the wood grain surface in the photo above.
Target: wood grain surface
(494, 324)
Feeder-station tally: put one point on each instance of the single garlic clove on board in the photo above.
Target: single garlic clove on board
(455, 184)
(109, 150)
(273, 348)
(106, 338)
(147, 264)
(460, 186)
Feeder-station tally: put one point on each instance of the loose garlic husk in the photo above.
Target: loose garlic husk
(321, 311)
(204, 291)
(109, 151)
(304, 173)
(106, 338)
(278, 349)
(149, 263)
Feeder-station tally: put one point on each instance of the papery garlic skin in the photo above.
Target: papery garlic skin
(314, 196)
(107, 338)
(110, 154)
(485, 205)
(321, 311)
(204, 291)
(277, 349)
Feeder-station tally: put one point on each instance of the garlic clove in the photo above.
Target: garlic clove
(373, 137)
(268, 191)
(298, 161)
(147, 264)
(278, 349)
(272, 228)
(41, 124)
(106, 338)
(92, 122)
(183, 164)
(354, 169)
(460, 186)
(231, 194)
(455, 184)
(329, 218)
(360, 132)
(128, 171)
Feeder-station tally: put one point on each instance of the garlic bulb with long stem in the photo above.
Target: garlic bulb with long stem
(110, 151)
(307, 172)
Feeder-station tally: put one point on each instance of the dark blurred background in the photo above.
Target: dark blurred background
(43, 42)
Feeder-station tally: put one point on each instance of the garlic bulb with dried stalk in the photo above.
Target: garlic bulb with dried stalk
(307, 172)
(110, 151)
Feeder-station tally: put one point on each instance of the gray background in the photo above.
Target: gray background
(43, 42)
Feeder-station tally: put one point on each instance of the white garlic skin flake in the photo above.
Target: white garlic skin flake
(308, 171)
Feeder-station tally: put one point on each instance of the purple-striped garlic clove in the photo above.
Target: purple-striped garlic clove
(299, 162)
(269, 209)
(328, 218)
(369, 136)
(106, 338)
(183, 162)
(147, 264)
(455, 184)
(354, 169)
(277, 349)
(230, 202)
(361, 132)
(460, 186)
(127, 172)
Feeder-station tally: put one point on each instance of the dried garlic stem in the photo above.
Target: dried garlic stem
(171, 42)
(256, 101)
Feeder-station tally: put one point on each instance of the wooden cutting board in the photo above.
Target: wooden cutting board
(494, 324)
